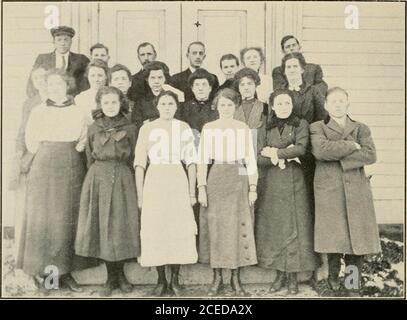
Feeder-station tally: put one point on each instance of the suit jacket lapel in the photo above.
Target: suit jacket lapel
(350, 126)
(53, 60)
(332, 124)
(71, 61)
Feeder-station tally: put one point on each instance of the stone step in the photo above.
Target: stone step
(189, 274)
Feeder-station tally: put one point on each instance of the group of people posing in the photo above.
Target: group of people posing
(174, 170)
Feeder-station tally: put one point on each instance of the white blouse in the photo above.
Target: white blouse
(165, 142)
(58, 124)
(86, 101)
(226, 141)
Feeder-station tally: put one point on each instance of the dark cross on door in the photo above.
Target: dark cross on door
(198, 24)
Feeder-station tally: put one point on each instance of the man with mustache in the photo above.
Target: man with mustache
(62, 58)
(146, 53)
(196, 55)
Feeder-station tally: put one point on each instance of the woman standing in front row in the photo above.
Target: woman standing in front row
(284, 231)
(166, 193)
(108, 227)
(227, 194)
(55, 134)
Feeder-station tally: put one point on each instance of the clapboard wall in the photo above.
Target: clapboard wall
(368, 62)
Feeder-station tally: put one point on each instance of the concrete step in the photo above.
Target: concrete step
(189, 274)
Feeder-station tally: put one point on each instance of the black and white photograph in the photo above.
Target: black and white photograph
(203, 150)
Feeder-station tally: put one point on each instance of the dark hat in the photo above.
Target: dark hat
(57, 31)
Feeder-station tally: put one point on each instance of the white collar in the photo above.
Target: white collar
(60, 54)
(192, 69)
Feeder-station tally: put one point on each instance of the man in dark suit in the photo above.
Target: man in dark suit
(196, 55)
(312, 75)
(146, 53)
(61, 58)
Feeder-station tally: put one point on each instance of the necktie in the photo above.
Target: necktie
(63, 63)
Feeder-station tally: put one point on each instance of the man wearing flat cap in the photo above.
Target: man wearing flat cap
(62, 58)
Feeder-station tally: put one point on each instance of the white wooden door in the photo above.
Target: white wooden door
(124, 25)
(224, 27)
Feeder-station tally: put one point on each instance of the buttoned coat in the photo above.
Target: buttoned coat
(283, 223)
(345, 219)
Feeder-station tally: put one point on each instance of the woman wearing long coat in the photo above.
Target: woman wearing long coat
(345, 221)
(284, 228)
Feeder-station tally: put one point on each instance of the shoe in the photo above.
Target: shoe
(38, 281)
(236, 284)
(124, 285)
(334, 283)
(108, 288)
(69, 282)
(176, 289)
(279, 282)
(292, 283)
(217, 283)
(160, 290)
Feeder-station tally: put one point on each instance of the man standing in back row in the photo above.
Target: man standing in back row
(196, 55)
(312, 72)
(146, 53)
(62, 58)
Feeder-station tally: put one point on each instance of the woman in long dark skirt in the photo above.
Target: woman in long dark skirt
(109, 227)
(55, 134)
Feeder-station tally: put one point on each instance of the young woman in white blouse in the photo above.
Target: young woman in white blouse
(55, 134)
(227, 194)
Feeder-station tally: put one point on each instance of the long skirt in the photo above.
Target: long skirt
(168, 227)
(51, 209)
(226, 225)
(109, 226)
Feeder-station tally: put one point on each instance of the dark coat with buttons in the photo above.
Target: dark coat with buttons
(109, 221)
(345, 219)
(283, 222)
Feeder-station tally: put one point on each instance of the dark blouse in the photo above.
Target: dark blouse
(196, 113)
(111, 139)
